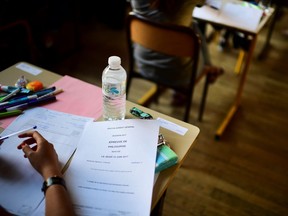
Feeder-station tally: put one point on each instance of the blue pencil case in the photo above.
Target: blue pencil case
(165, 158)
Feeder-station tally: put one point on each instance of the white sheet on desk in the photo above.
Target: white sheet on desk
(243, 17)
(20, 184)
(231, 14)
(112, 171)
(214, 3)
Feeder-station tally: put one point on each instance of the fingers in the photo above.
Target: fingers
(26, 142)
(33, 134)
(27, 150)
(35, 138)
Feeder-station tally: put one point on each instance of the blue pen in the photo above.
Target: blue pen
(45, 91)
(17, 132)
(15, 102)
(10, 89)
(32, 102)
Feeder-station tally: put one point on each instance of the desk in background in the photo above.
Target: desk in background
(210, 15)
(180, 144)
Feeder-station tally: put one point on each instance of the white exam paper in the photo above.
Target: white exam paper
(20, 184)
(113, 168)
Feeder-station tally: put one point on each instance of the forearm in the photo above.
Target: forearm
(58, 201)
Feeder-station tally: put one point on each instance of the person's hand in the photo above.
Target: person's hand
(41, 154)
(213, 71)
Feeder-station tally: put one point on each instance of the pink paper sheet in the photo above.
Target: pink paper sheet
(78, 97)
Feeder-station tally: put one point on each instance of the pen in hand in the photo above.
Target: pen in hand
(17, 132)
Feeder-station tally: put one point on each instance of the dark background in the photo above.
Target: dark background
(45, 32)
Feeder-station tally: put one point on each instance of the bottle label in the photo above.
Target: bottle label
(113, 89)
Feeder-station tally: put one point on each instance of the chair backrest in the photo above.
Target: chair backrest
(161, 37)
(173, 40)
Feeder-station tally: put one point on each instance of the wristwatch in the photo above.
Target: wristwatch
(52, 181)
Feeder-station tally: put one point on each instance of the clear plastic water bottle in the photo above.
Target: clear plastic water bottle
(114, 90)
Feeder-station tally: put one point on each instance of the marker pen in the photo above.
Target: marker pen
(10, 89)
(10, 94)
(45, 91)
(57, 91)
(10, 113)
(31, 103)
(15, 102)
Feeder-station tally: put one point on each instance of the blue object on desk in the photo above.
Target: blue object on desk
(15, 102)
(44, 91)
(10, 89)
(166, 158)
(31, 103)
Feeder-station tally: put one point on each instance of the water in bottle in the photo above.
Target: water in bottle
(114, 90)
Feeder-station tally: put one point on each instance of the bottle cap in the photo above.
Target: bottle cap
(114, 62)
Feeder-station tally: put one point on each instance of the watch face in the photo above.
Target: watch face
(51, 181)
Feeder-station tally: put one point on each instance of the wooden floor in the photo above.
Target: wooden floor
(244, 173)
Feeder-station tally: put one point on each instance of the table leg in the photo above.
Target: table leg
(157, 211)
(265, 48)
(237, 101)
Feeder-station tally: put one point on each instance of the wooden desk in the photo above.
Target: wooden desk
(180, 144)
(209, 15)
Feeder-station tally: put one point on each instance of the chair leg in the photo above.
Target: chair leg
(187, 107)
(158, 209)
(203, 99)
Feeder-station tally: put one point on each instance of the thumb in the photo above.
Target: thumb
(27, 150)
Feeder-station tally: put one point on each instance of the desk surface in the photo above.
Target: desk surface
(180, 144)
(214, 16)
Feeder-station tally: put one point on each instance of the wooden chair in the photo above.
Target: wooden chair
(171, 40)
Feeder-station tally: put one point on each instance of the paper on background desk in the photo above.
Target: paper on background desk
(20, 184)
(233, 14)
(78, 98)
(112, 171)
(246, 18)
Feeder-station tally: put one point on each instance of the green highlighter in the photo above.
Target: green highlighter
(166, 158)
(10, 113)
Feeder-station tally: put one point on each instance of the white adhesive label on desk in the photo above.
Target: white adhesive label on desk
(29, 69)
(172, 126)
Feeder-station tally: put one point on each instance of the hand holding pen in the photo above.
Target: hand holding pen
(15, 133)
(40, 153)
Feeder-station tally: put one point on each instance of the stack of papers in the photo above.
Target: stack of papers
(18, 180)
(111, 172)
